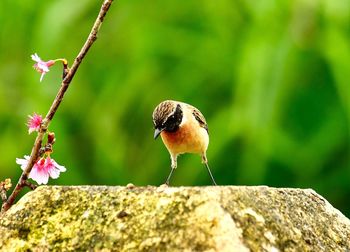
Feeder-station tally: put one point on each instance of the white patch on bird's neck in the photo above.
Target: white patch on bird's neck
(184, 117)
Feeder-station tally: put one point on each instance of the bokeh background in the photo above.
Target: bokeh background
(271, 77)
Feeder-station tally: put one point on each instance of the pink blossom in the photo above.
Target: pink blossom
(34, 123)
(42, 169)
(41, 66)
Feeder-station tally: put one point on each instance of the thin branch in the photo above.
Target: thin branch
(4, 187)
(29, 184)
(3, 195)
(68, 76)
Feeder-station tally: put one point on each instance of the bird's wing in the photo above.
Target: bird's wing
(200, 118)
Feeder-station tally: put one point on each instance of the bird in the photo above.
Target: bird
(183, 129)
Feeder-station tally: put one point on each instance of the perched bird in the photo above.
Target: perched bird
(183, 130)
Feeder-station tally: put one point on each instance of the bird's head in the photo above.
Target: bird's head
(167, 116)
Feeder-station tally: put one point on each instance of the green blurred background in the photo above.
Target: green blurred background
(271, 77)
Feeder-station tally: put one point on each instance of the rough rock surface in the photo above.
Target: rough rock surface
(223, 218)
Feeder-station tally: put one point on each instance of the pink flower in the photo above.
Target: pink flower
(34, 123)
(42, 169)
(53, 168)
(41, 66)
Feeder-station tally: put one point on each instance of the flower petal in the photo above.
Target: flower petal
(34, 122)
(53, 168)
(43, 66)
(35, 57)
(23, 162)
(39, 176)
(42, 76)
(54, 173)
(39, 173)
(61, 168)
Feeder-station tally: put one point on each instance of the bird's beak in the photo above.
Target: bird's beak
(157, 132)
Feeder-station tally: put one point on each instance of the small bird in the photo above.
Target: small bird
(183, 130)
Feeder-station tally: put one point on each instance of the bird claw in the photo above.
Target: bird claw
(165, 185)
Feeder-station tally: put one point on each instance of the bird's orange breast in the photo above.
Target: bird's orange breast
(189, 138)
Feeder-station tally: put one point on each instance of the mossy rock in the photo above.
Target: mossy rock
(223, 218)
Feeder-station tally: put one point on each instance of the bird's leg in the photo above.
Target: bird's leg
(168, 179)
(205, 161)
(173, 167)
(211, 175)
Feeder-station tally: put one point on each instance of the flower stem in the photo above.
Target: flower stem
(65, 66)
(68, 75)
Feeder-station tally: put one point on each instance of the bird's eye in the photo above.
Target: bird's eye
(170, 120)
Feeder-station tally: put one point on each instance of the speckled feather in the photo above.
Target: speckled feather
(199, 117)
(166, 108)
(163, 111)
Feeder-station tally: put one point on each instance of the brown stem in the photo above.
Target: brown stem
(64, 86)
(30, 185)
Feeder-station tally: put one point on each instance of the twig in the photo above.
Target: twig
(68, 75)
(30, 185)
(3, 195)
(4, 187)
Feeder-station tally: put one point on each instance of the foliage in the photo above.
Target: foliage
(270, 77)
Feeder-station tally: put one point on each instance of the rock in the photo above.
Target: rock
(223, 218)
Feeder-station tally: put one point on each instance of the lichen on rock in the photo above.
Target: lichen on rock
(222, 218)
